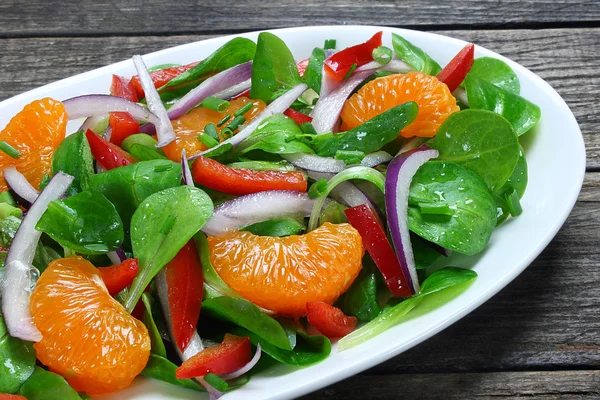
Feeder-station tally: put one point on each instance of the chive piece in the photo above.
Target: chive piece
(514, 204)
(215, 104)
(162, 168)
(168, 224)
(8, 149)
(317, 189)
(237, 121)
(226, 132)
(382, 54)
(225, 119)
(207, 140)
(330, 44)
(216, 382)
(308, 127)
(435, 209)
(211, 130)
(7, 210)
(5, 197)
(243, 110)
(350, 71)
(349, 157)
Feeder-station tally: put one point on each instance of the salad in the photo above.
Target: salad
(211, 219)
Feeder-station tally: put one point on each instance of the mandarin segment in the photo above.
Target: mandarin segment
(87, 336)
(189, 126)
(283, 274)
(36, 131)
(434, 99)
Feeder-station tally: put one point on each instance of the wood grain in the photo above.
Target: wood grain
(566, 58)
(91, 17)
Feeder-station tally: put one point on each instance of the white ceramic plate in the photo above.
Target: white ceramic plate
(551, 193)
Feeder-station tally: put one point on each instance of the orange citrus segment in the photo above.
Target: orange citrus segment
(434, 99)
(87, 336)
(283, 274)
(189, 126)
(36, 131)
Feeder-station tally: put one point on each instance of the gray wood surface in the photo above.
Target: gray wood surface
(539, 337)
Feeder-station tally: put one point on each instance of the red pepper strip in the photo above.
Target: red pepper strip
(122, 124)
(329, 320)
(109, 155)
(123, 87)
(185, 286)
(376, 242)
(161, 77)
(297, 116)
(243, 94)
(240, 181)
(302, 65)
(454, 73)
(118, 277)
(4, 396)
(230, 355)
(338, 65)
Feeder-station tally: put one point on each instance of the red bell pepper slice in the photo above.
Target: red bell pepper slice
(379, 248)
(297, 116)
(329, 320)
(338, 65)
(122, 124)
(302, 65)
(4, 396)
(118, 277)
(230, 355)
(123, 87)
(455, 72)
(161, 77)
(185, 287)
(240, 181)
(109, 155)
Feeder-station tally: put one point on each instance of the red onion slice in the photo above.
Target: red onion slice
(461, 95)
(92, 123)
(117, 256)
(164, 129)
(23, 191)
(215, 84)
(257, 207)
(394, 66)
(99, 105)
(327, 110)
(397, 185)
(187, 177)
(376, 158)
(278, 106)
(312, 162)
(16, 287)
(245, 368)
(234, 90)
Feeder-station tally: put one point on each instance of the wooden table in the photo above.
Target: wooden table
(540, 337)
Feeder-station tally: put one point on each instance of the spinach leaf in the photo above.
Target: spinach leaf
(245, 314)
(87, 223)
(161, 369)
(439, 288)
(274, 68)
(313, 75)
(8, 229)
(276, 134)
(144, 153)
(214, 286)
(370, 136)
(277, 227)
(468, 229)
(44, 385)
(74, 157)
(423, 253)
(163, 223)
(517, 182)
(482, 141)
(414, 56)
(17, 361)
(43, 256)
(361, 299)
(496, 72)
(236, 51)
(126, 187)
(156, 342)
(521, 113)
(308, 350)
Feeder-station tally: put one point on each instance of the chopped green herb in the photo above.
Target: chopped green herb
(349, 157)
(215, 104)
(350, 71)
(237, 121)
(308, 127)
(207, 140)
(317, 189)
(224, 120)
(162, 167)
(514, 205)
(5, 197)
(330, 44)
(435, 208)
(243, 110)
(8, 149)
(168, 224)
(383, 55)
(211, 130)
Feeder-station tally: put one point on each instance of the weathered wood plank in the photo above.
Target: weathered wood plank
(532, 385)
(566, 58)
(92, 17)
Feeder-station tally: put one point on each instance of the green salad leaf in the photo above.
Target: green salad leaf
(74, 157)
(214, 286)
(237, 51)
(18, 361)
(263, 165)
(144, 153)
(163, 223)
(276, 134)
(313, 75)
(482, 141)
(44, 385)
(161, 369)
(521, 113)
(87, 223)
(468, 228)
(273, 69)
(496, 72)
(439, 288)
(245, 314)
(516, 182)
(278, 227)
(423, 253)
(414, 56)
(156, 343)
(360, 300)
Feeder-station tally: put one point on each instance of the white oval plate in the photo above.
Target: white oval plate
(550, 196)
